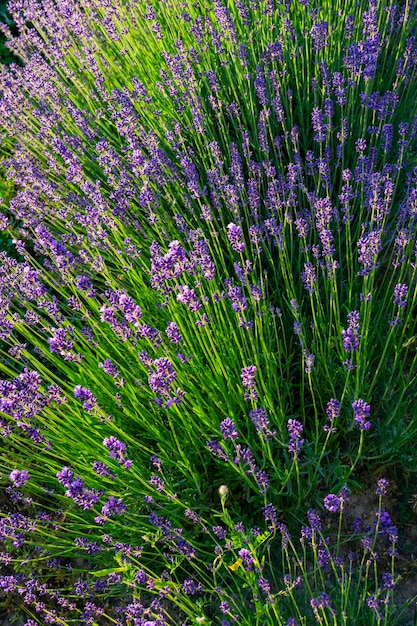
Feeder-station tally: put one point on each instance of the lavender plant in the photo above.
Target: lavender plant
(211, 319)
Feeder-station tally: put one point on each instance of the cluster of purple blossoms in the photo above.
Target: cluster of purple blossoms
(102, 469)
(19, 477)
(161, 381)
(248, 382)
(309, 360)
(362, 412)
(309, 277)
(270, 515)
(86, 498)
(382, 487)
(59, 341)
(113, 506)
(261, 422)
(335, 503)
(173, 333)
(351, 335)
(117, 450)
(319, 125)
(109, 368)
(89, 401)
(262, 478)
(369, 246)
(400, 295)
(247, 559)
(295, 428)
(191, 588)
(217, 450)
(189, 297)
(235, 236)
(228, 429)
(332, 413)
(322, 601)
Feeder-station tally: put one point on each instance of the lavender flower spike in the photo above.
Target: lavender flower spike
(362, 411)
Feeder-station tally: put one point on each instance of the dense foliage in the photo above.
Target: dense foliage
(208, 324)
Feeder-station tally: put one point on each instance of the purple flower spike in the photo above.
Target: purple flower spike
(400, 295)
(113, 506)
(332, 503)
(248, 376)
(295, 428)
(382, 487)
(321, 602)
(117, 450)
(351, 335)
(235, 236)
(270, 515)
(262, 479)
(362, 411)
(247, 559)
(19, 478)
(228, 429)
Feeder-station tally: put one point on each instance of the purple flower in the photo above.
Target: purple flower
(103, 470)
(351, 335)
(225, 607)
(248, 376)
(89, 401)
(400, 295)
(369, 246)
(262, 478)
(235, 236)
(388, 580)
(382, 487)
(261, 422)
(161, 380)
(173, 333)
(295, 428)
(270, 515)
(157, 482)
(193, 516)
(333, 409)
(320, 35)
(59, 341)
(189, 297)
(309, 277)
(228, 429)
(319, 125)
(362, 411)
(19, 477)
(373, 604)
(217, 450)
(332, 412)
(321, 602)
(323, 557)
(109, 368)
(264, 585)
(309, 360)
(117, 450)
(219, 531)
(141, 577)
(314, 519)
(360, 145)
(247, 559)
(332, 503)
(86, 498)
(189, 587)
(113, 506)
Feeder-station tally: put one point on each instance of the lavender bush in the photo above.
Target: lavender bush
(209, 320)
